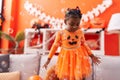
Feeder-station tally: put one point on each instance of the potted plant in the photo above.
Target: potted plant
(14, 40)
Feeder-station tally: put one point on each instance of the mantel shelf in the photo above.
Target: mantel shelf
(89, 35)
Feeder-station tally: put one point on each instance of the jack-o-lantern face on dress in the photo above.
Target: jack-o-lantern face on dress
(72, 40)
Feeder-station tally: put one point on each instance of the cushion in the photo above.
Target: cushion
(4, 62)
(10, 75)
(108, 69)
(27, 64)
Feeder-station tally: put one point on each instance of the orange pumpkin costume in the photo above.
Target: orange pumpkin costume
(73, 59)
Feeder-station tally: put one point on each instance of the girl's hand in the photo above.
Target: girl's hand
(46, 64)
(96, 60)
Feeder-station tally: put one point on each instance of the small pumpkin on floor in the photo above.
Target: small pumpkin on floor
(51, 74)
(35, 77)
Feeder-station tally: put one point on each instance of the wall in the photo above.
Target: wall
(17, 18)
(111, 40)
(7, 9)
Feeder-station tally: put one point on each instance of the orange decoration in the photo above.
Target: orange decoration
(97, 23)
(85, 25)
(33, 21)
(35, 77)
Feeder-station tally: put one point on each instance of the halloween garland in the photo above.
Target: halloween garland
(59, 23)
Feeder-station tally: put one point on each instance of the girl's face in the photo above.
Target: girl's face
(72, 24)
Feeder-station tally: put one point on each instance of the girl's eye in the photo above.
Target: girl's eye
(76, 36)
(68, 37)
(74, 25)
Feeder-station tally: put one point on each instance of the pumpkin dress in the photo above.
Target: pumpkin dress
(73, 59)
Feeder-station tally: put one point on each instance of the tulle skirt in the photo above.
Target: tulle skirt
(73, 64)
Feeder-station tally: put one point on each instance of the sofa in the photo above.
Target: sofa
(22, 66)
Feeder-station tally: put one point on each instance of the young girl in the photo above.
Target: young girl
(73, 60)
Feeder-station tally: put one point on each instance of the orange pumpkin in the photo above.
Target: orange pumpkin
(35, 77)
(97, 23)
(85, 25)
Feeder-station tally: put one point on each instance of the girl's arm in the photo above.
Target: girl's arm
(94, 58)
(55, 45)
(83, 43)
(53, 49)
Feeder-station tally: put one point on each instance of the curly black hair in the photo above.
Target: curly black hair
(73, 13)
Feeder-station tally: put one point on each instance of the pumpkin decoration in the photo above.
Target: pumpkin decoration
(85, 25)
(35, 77)
(97, 23)
(51, 74)
(35, 21)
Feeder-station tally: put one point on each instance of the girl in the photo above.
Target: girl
(73, 59)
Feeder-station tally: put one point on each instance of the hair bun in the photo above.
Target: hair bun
(77, 8)
(75, 11)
